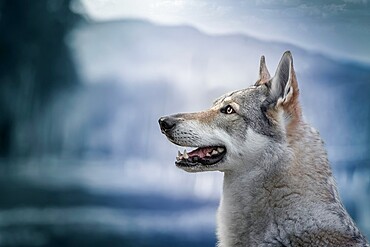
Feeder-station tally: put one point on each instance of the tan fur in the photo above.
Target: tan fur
(278, 186)
(292, 107)
(292, 111)
(264, 75)
(205, 117)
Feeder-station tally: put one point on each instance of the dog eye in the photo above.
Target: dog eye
(228, 110)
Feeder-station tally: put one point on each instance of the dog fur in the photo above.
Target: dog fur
(278, 186)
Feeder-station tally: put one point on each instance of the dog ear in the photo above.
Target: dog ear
(283, 88)
(264, 73)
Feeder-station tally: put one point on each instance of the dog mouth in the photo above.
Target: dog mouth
(204, 156)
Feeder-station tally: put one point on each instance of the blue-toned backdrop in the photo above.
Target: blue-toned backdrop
(83, 162)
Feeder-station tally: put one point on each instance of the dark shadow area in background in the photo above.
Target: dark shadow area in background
(36, 67)
(37, 70)
(35, 64)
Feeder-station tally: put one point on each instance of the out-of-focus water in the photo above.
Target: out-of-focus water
(52, 202)
(75, 203)
(93, 101)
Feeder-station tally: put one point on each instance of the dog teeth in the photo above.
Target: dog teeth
(186, 156)
(179, 156)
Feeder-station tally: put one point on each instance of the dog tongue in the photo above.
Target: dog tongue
(200, 152)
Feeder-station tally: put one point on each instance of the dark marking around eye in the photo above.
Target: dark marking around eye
(227, 109)
(288, 90)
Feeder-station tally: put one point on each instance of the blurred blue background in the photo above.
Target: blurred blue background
(82, 84)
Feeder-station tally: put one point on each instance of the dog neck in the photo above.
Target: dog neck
(248, 208)
(244, 215)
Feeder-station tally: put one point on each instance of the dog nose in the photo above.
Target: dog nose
(167, 123)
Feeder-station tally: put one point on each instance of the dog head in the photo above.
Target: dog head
(241, 125)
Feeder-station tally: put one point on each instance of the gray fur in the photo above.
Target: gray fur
(278, 186)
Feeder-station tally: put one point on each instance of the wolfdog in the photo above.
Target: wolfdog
(278, 187)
